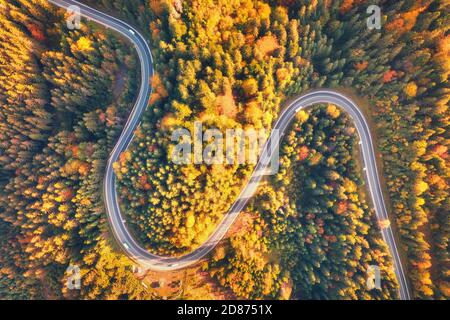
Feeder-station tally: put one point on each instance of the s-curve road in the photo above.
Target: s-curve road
(117, 222)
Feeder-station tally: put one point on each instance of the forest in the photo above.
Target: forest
(310, 232)
(64, 96)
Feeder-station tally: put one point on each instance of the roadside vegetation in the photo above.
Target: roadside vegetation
(58, 120)
(310, 231)
(232, 64)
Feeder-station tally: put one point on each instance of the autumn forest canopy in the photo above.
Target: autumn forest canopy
(310, 231)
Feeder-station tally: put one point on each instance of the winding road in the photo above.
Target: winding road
(117, 222)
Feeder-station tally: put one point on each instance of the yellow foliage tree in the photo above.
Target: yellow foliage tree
(411, 90)
(84, 44)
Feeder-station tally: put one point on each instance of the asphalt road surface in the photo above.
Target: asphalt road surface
(155, 262)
